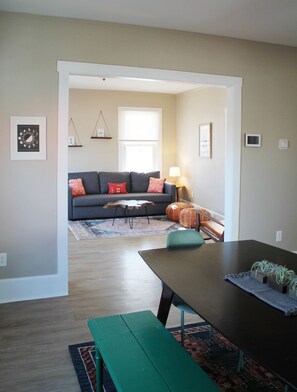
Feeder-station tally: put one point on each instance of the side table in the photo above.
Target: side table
(178, 187)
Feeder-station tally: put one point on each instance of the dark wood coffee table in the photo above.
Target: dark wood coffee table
(130, 206)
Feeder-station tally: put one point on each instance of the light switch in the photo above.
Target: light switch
(283, 144)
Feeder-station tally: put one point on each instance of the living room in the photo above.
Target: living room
(30, 49)
(186, 110)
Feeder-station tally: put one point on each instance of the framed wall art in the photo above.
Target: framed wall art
(205, 140)
(71, 140)
(27, 138)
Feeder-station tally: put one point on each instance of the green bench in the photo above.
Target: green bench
(142, 356)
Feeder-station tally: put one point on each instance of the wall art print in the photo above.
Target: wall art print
(205, 140)
(27, 138)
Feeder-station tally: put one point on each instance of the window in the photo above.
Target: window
(140, 139)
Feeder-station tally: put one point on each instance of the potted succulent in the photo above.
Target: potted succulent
(261, 269)
(280, 278)
(293, 288)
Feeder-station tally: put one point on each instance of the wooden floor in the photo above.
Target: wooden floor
(106, 276)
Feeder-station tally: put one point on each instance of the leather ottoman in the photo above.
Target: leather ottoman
(174, 209)
(187, 217)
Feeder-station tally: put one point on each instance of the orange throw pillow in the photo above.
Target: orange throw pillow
(156, 185)
(77, 188)
(117, 188)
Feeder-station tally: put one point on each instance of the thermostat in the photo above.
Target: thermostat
(252, 140)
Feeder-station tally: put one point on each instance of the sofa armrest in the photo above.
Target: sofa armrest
(70, 204)
(170, 189)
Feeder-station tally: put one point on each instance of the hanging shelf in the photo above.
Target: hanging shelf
(101, 133)
(101, 137)
(73, 141)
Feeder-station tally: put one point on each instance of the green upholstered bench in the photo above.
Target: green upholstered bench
(141, 355)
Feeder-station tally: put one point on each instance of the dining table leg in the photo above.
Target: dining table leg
(164, 305)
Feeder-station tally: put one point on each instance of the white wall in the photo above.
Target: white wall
(204, 178)
(30, 48)
(100, 155)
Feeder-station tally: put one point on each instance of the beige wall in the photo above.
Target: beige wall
(204, 178)
(30, 47)
(84, 108)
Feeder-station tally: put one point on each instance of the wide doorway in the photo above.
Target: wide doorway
(233, 138)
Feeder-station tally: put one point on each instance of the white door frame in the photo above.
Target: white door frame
(232, 150)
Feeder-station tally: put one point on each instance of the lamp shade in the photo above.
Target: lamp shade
(174, 172)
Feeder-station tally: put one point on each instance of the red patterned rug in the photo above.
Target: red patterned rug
(215, 354)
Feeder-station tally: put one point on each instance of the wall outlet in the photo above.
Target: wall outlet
(278, 236)
(3, 259)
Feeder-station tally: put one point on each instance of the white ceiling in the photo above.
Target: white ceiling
(272, 21)
(129, 84)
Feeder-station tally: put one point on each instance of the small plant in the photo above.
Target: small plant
(293, 288)
(260, 270)
(283, 275)
(263, 266)
(293, 284)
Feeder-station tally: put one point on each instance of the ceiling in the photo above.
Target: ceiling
(129, 84)
(270, 21)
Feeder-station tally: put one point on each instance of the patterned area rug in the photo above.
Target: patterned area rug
(99, 228)
(215, 354)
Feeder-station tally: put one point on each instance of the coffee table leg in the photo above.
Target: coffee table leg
(148, 219)
(126, 214)
(115, 213)
(131, 218)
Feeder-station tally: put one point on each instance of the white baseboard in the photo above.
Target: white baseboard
(214, 214)
(33, 287)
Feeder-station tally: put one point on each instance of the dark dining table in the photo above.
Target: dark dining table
(196, 274)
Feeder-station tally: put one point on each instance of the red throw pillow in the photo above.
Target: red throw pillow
(77, 188)
(156, 185)
(117, 188)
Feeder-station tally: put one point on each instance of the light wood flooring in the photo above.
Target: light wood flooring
(106, 276)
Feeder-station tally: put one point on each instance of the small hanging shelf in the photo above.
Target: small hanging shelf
(103, 132)
(73, 141)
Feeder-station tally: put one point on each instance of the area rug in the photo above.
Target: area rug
(103, 228)
(215, 354)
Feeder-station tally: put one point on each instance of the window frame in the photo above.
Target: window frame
(122, 142)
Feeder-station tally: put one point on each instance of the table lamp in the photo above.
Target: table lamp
(174, 172)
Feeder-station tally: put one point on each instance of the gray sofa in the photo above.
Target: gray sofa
(90, 206)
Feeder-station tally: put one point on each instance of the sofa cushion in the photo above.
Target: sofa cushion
(102, 199)
(90, 181)
(155, 197)
(156, 185)
(77, 188)
(140, 181)
(117, 188)
(114, 177)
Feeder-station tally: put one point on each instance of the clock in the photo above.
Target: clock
(28, 138)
